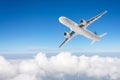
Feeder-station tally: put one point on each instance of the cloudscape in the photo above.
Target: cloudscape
(31, 26)
(61, 66)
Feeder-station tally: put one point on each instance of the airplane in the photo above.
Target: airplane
(81, 29)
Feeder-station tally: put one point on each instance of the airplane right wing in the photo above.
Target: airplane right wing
(71, 35)
(64, 42)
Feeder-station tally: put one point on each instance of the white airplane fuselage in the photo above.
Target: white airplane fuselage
(79, 30)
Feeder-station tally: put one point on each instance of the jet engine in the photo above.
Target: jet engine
(66, 34)
(83, 22)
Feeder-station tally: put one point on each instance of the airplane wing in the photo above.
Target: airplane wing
(72, 34)
(96, 17)
(64, 42)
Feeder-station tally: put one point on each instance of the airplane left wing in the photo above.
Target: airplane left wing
(96, 17)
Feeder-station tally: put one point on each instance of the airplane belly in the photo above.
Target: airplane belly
(88, 34)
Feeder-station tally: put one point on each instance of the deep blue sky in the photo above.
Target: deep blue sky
(32, 25)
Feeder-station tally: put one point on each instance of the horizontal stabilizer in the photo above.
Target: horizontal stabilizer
(102, 35)
(93, 42)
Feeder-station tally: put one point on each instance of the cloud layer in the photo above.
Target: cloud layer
(64, 65)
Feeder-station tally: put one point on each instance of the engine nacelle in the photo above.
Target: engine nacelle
(67, 35)
(83, 22)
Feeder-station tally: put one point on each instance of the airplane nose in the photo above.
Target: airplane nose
(61, 18)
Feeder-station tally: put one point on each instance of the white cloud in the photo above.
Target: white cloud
(7, 70)
(63, 65)
(24, 77)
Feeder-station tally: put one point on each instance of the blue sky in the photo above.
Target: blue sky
(32, 25)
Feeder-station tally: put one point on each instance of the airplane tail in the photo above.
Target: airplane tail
(101, 36)
(93, 42)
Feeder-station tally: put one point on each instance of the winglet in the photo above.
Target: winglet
(105, 12)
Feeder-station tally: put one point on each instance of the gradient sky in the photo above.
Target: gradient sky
(32, 25)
